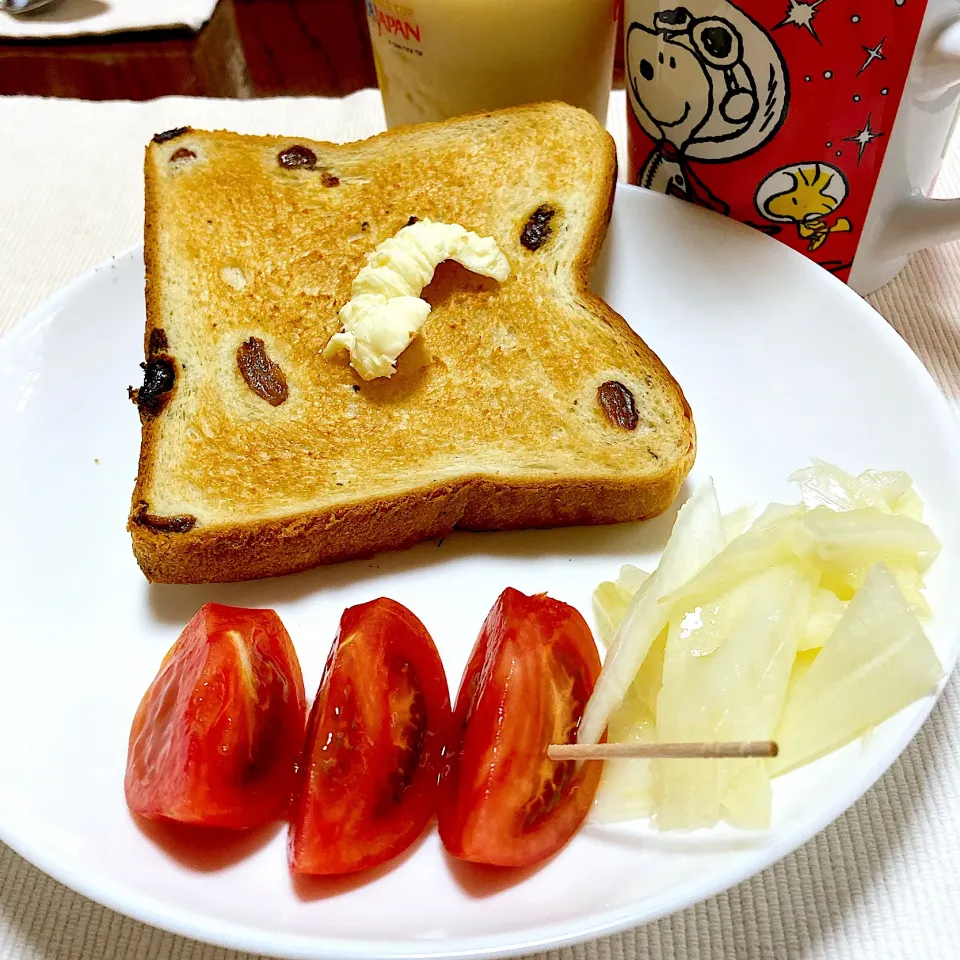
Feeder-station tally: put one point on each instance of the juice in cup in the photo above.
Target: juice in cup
(441, 58)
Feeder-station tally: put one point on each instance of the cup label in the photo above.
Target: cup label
(774, 112)
(396, 21)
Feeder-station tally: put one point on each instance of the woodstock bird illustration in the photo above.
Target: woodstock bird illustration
(817, 191)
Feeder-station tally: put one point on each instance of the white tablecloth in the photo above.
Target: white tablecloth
(75, 18)
(882, 882)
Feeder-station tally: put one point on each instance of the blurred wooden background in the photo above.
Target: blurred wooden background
(250, 48)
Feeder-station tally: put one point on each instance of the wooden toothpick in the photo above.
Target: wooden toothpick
(736, 749)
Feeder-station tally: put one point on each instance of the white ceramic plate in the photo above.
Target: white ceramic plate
(779, 361)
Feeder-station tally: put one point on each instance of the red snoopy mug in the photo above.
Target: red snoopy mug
(822, 123)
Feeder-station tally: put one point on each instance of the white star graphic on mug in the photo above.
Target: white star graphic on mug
(801, 13)
(873, 53)
(862, 138)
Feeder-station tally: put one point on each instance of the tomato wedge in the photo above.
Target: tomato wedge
(216, 737)
(502, 802)
(374, 744)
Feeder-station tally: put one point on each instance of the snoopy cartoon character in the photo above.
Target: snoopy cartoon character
(707, 84)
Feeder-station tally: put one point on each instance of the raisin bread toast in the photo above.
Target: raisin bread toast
(526, 403)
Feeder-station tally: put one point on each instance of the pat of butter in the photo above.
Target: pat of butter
(385, 311)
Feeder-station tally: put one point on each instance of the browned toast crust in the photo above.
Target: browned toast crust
(271, 548)
(176, 547)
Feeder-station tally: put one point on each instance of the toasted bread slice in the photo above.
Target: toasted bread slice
(497, 417)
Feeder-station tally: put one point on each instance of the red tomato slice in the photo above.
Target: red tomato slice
(374, 744)
(216, 737)
(502, 802)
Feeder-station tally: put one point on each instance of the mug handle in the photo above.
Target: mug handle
(922, 221)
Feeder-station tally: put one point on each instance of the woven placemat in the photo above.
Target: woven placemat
(883, 881)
